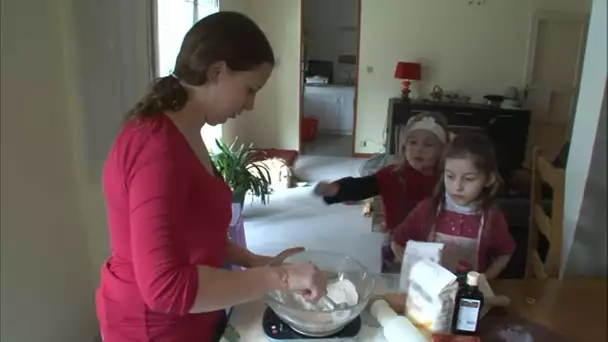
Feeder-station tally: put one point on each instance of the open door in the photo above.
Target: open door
(329, 50)
(553, 69)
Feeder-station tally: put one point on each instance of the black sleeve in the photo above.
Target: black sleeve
(355, 189)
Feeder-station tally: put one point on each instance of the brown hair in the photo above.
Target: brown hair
(479, 148)
(230, 37)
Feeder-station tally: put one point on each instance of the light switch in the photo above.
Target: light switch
(369, 69)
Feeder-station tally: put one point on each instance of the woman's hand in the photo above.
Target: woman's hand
(307, 279)
(262, 260)
(325, 189)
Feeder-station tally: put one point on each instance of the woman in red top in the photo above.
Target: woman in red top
(462, 213)
(400, 186)
(168, 208)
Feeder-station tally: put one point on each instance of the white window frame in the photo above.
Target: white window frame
(200, 9)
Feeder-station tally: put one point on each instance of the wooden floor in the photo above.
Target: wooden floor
(329, 145)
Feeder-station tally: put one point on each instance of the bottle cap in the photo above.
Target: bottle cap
(472, 278)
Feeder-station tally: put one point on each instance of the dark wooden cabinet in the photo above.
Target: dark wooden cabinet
(508, 128)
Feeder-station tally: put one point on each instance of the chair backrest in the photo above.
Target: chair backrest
(551, 226)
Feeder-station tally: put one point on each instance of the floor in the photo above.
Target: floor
(295, 217)
(329, 145)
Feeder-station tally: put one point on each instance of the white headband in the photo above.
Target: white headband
(428, 124)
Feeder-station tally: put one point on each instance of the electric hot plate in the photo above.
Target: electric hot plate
(277, 330)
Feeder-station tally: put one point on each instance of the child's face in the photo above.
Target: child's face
(422, 150)
(463, 181)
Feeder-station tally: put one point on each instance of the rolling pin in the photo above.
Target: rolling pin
(395, 328)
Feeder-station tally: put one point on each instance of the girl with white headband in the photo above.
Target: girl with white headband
(462, 214)
(401, 186)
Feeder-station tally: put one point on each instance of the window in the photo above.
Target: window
(174, 19)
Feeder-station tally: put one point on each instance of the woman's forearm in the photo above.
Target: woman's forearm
(497, 266)
(219, 289)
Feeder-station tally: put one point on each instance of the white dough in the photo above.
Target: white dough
(314, 315)
(302, 303)
(343, 291)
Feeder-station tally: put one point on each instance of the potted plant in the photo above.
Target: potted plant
(240, 172)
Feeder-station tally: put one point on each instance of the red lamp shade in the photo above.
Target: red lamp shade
(407, 71)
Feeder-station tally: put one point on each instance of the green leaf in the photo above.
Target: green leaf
(236, 164)
(231, 334)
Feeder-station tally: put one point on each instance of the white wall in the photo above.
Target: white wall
(230, 129)
(47, 282)
(473, 49)
(584, 233)
(275, 120)
(588, 251)
(330, 31)
(68, 74)
(478, 50)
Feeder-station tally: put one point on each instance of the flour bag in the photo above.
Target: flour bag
(416, 251)
(431, 296)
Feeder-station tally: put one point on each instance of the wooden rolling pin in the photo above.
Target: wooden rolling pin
(396, 300)
(395, 328)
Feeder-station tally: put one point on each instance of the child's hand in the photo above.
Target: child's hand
(398, 251)
(325, 189)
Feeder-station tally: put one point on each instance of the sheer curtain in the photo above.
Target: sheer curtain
(174, 19)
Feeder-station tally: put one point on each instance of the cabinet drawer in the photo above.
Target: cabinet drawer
(462, 118)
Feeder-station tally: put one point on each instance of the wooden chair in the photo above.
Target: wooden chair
(540, 222)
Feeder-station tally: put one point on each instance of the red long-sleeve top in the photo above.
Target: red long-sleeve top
(400, 189)
(496, 240)
(167, 214)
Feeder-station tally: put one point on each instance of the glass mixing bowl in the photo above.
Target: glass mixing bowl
(316, 322)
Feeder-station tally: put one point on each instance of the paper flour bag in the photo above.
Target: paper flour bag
(416, 251)
(431, 296)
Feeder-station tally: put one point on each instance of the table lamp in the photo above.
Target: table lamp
(407, 72)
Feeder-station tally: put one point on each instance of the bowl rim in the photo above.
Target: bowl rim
(365, 270)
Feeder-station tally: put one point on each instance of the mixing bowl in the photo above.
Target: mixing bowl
(316, 322)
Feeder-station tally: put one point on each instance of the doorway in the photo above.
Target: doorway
(555, 53)
(329, 46)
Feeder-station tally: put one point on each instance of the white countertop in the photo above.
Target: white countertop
(246, 319)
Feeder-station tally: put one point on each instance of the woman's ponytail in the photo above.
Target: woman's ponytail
(165, 94)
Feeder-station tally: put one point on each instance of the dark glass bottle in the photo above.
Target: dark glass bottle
(469, 302)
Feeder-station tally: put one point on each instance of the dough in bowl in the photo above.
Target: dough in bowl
(343, 291)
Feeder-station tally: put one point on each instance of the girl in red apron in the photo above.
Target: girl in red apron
(462, 213)
(402, 185)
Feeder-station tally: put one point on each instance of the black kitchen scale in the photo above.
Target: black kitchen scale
(277, 330)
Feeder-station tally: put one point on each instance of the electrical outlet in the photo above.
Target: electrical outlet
(363, 143)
